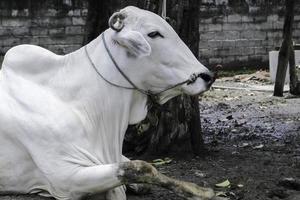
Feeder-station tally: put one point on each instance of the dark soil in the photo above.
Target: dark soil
(253, 140)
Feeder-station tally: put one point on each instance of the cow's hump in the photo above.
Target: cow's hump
(32, 62)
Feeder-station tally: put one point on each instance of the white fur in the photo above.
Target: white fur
(62, 126)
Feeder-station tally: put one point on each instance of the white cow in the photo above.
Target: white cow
(63, 118)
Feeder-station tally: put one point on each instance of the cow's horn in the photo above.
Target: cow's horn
(116, 21)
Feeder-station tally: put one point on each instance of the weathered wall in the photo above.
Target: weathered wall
(234, 33)
(55, 24)
(240, 33)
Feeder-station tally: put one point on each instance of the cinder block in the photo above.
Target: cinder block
(234, 18)
(44, 40)
(11, 42)
(203, 28)
(205, 53)
(247, 19)
(215, 27)
(246, 51)
(296, 34)
(38, 31)
(207, 36)
(15, 22)
(253, 35)
(229, 43)
(233, 27)
(265, 26)
(274, 34)
(272, 18)
(255, 42)
(215, 43)
(219, 19)
(230, 35)
(242, 43)
(260, 51)
(297, 17)
(242, 58)
(278, 25)
(74, 40)
(215, 60)
(4, 31)
(78, 21)
(40, 21)
(61, 22)
(57, 31)
(297, 25)
(228, 60)
(20, 30)
(203, 44)
(30, 40)
(75, 13)
(260, 18)
(224, 52)
(74, 30)
(206, 20)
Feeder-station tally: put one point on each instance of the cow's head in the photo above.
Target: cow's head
(152, 54)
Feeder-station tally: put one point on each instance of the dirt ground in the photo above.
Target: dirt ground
(253, 141)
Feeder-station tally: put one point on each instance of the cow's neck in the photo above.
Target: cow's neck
(105, 110)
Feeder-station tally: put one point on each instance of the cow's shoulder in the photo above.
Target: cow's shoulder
(32, 61)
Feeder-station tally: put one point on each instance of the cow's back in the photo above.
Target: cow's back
(32, 63)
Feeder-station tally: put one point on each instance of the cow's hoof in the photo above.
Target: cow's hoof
(138, 171)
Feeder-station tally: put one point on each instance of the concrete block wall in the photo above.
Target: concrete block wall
(240, 33)
(57, 25)
(234, 33)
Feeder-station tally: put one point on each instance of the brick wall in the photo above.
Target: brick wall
(57, 25)
(234, 33)
(240, 33)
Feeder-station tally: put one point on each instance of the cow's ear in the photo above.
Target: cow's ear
(134, 42)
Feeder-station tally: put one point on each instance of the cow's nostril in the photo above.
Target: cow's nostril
(206, 77)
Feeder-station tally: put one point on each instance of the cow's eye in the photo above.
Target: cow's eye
(155, 34)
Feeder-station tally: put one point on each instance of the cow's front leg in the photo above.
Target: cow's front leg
(103, 178)
(134, 187)
(143, 172)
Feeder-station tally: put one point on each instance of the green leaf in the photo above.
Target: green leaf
(158, 162)
(221, 194)
(224, 184)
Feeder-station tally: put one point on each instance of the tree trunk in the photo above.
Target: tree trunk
(174, 127)
(294, 82)
(285, 50)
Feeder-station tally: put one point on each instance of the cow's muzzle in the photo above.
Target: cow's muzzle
(208, 77)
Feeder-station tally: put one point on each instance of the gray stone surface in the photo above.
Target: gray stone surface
(50, 24)
(242, 34)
